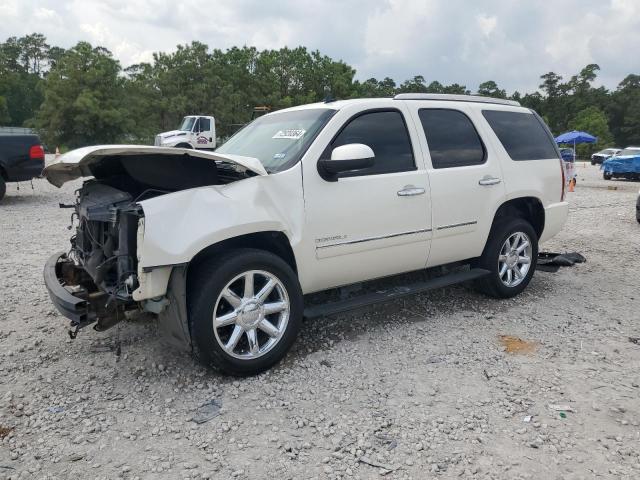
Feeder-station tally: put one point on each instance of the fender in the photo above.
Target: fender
(179, 225)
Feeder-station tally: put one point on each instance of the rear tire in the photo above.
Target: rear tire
(511, 255)
(234, 328)
(3, 188)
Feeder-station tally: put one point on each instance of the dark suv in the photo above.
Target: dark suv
(21, 159)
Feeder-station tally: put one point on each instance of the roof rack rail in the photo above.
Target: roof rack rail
(455, 98)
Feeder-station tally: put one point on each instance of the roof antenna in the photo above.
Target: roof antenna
(328, 96)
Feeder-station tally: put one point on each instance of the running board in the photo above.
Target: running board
(340, 306)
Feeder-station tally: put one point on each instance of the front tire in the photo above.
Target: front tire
(3, 188)
(606, 176)
(511, 256)
(245, 311)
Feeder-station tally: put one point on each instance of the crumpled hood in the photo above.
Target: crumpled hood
(79, 163)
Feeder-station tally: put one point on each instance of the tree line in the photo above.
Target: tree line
(82, 95)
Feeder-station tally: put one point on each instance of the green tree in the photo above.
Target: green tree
(456, 89)
(84, 100)
(435, 87)
(624, 112)
(594, 121)
(5, 118)
(490, 89)
(22, 62)
(34, 53)
(413, 85)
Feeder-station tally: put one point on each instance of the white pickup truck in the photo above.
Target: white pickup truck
(196, 131)
(226, 246)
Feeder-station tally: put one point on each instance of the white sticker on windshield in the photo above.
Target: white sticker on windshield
(290, 134)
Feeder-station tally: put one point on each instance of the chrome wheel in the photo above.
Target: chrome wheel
(251, 314)
(514, 260)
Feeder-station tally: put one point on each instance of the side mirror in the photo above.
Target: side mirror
(353, 156)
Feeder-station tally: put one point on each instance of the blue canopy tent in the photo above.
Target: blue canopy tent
(576, 137)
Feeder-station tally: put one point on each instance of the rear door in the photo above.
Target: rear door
(531, 167)
(465, 176)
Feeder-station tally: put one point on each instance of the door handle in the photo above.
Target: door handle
(488, 180)
(410, 191)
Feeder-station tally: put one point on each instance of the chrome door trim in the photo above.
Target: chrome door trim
(370, 239)
(454, 225)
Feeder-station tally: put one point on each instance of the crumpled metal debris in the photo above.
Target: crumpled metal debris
(385, 467)
(207, 411)
(562, 408)
(551, 262)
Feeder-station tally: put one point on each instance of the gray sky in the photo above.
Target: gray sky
(466, 41)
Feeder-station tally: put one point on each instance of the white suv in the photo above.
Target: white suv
(225, 246)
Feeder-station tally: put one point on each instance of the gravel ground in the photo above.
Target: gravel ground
(420, 388)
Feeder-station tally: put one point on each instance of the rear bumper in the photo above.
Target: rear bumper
(25, 170)
(74, 307)
(555, 216)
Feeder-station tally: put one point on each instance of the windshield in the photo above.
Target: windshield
(187, 124)
(629, 151)
(278, 140)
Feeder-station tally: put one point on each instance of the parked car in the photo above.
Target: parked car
(602, 155)
(625, 164)
(21, 159)
(225, 246)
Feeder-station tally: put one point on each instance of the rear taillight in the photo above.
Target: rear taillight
(36, 152)
(563, 180)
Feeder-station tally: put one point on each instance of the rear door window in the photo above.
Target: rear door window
(522, 135)
(453, 140)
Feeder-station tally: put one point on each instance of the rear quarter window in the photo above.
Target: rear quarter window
(522, 135)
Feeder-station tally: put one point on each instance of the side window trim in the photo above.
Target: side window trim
(485, 153)
(326, 153)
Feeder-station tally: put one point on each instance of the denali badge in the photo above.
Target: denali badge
(328, 239)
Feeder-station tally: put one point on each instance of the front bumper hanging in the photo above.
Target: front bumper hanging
(72, 305)
(76, 297)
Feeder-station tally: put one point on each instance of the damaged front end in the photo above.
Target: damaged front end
(94, 281)
(99, 279)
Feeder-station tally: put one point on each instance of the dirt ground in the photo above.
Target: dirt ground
(423, 388)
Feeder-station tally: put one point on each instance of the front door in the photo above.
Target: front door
(204, 133)
(372, 222)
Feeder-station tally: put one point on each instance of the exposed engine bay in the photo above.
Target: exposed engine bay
(101, 267)
(105, 240)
